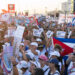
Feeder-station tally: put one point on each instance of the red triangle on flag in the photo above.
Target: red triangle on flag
(66, 48)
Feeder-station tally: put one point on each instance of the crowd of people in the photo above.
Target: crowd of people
(37, 55)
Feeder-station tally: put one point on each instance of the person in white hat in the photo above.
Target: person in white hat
(23, 68)
(38, 40)
(33, 48)
(54, 54)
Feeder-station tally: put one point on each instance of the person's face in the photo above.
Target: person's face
(33, 47)
(42, 62)
(32, 67)
(53, 56)
(27, 42)
(51, 65)
(73, 58)
(6, 40)
(21, 47)
(24, 70)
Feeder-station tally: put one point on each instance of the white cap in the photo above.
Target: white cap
(38, 39)
(55, 53)
(22, 44)
(22, 64)
(34, 44)
(6, 36)
(7, 44)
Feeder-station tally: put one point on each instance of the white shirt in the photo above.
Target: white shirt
(71, 69)
(45, 67)
(43, 52)
(37, 56)
(27, 73)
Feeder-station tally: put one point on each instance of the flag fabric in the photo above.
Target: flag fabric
(66, 44)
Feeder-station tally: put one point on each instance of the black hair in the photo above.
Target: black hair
(57, 46)
(57, 67)
(1, 47)
(39, 71)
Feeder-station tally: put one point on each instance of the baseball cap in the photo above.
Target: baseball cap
(6, 36)
(43, 57)
(38, 40)
(34, 44)
(22, 64)
(22, 44)
(55, 53)
(54, 60)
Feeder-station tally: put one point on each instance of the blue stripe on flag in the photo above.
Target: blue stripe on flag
(66, 40)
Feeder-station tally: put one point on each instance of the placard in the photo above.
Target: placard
(36, 32)
(49, 34)
(19, 31)
(60, 34)
(17, 39)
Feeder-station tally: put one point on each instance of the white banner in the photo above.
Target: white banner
(17, 39)
(60, 34)
(65, 18)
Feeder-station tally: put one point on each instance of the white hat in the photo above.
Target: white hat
(7, 44)
(34, 44)
(6, 36)
(22, 64)
(22, 44)
(55, 53)
(38, 39)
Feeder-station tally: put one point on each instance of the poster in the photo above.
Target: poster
(49, 33)
(60, 34)
(5, 17)
(36, 32)
(17, 39)
(65, 18)
(11, 31)
(11, 8)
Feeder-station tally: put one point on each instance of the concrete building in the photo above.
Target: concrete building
(68, 7)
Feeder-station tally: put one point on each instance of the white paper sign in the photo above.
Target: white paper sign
(17, 39)
(11, 31)
(5, 17)
(69, 34)
(19, 32)
(41, 30)
(49, 34)
(60, 34)
(36, 32)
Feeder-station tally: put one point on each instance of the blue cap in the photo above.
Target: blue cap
(54, 60)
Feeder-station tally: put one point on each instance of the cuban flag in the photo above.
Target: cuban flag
(66, 44)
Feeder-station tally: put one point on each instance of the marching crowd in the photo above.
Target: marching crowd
(37, 54)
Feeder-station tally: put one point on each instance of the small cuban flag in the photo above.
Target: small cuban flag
(73, 22)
